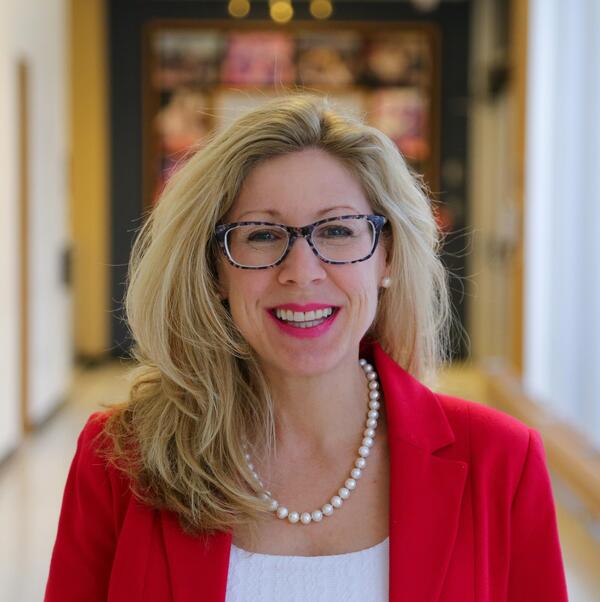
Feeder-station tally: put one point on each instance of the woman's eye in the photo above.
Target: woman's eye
(336, 232)
(263, 236)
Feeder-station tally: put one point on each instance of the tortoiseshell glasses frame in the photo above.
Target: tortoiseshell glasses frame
(221, 234)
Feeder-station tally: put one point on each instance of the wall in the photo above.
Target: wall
(34, 32)
(127, 20)
(562, 293)
(495, 180)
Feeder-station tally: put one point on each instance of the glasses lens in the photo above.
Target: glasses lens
(345, 239)
(256, 246)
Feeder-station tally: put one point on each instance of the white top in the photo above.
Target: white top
(351, 577)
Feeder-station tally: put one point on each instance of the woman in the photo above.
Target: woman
(286, 299)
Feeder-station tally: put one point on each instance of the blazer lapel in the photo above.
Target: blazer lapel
(198, 566)
(425, 490)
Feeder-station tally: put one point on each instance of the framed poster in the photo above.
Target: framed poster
(398, 59)
(258, 58)
(328, 58)
(198, 79)
(402, 114)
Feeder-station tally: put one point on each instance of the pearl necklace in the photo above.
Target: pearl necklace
(360, 463)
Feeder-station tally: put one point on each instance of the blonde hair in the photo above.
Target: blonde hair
(198, 392)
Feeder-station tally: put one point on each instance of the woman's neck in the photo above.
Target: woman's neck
(316, 415)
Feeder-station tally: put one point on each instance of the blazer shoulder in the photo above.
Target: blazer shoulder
(92, 439)
(483, 419)
(485, 434)
(94, 425)
(93, 454)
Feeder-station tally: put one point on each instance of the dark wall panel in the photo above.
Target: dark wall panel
(126, 20)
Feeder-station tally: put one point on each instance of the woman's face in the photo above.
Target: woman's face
(298, 189)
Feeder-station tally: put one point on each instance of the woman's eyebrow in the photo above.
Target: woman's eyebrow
(275, 213)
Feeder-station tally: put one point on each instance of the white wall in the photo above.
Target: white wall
(562, 256)
(8, 244)
(36, 32)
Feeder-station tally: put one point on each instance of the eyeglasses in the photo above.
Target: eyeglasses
(337, 240)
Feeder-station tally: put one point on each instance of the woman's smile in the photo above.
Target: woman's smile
(311, 323)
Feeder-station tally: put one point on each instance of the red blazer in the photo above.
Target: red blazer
(472, 516)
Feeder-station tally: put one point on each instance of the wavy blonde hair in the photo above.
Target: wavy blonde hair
(198, 391)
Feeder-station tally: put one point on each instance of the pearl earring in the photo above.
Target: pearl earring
(386, 282)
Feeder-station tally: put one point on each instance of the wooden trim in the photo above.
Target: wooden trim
(569, 452)
(23, 116)
(518, 60)
(89, 201)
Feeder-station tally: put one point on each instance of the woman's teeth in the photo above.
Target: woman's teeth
(302, 319)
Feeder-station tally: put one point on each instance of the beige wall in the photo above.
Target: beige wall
(496, 188)
(35, 302)
(89, 176)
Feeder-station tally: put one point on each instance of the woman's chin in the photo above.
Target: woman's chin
(310, 360)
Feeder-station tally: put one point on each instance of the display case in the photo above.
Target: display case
(198, 78)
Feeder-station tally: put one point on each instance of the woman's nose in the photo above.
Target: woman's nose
(301, 266)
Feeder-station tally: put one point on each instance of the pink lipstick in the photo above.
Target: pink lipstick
(323, 324)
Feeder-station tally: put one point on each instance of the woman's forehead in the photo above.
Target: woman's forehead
(277, 214)
(310, 183)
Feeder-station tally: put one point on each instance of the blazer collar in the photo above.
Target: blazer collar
(426, 490)
(413, 411)
(425, 500)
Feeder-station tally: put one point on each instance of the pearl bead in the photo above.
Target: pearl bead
(363, 451)
(327, 509)
(350, 483)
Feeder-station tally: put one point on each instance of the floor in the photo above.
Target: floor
(31, 484)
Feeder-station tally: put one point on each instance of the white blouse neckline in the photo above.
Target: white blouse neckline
(344, 555)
